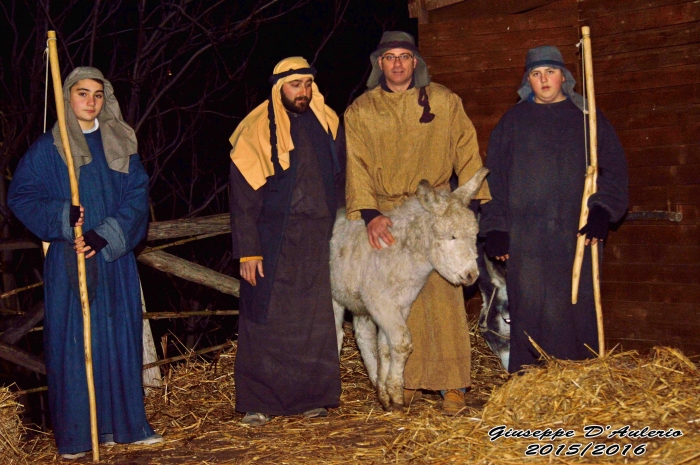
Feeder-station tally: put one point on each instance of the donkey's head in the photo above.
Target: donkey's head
(452, 230)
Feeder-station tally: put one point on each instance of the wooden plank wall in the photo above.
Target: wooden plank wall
(647, 67)
(481, 57)
(647, 70)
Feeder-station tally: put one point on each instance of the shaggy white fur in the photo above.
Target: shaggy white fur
(433, 231)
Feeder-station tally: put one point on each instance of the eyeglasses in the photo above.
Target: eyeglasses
(404, 57)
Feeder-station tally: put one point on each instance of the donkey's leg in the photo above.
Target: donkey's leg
(401, 348)
(393, 327)
(383, 371)
(366, 337)
(339, 313)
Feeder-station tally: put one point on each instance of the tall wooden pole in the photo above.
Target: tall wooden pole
(82, 282)
(589, 188)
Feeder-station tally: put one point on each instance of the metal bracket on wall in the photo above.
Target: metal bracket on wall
(655, 215)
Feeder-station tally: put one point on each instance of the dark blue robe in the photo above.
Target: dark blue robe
(287, 360)
(116, 207)
(537, 160)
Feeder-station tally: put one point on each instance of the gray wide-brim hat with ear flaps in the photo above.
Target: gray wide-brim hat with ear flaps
(548, 55)
(398, 39)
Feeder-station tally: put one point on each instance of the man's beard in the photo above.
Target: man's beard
(298, 105)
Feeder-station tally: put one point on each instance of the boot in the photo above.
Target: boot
(453, 402)
(411, 395)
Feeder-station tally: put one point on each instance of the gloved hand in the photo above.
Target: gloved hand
(497, 243)
(73, 215)
(94, 240)
(597, 225)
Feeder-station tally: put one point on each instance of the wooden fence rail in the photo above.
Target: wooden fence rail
(189, 228)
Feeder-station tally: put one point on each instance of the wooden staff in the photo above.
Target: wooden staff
(589, 189)
(75, 200)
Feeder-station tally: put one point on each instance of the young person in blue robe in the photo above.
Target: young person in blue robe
(113, 189)
(537, 158)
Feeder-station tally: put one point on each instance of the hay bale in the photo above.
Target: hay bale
(623, 393)
(659, 390)
(11, 428)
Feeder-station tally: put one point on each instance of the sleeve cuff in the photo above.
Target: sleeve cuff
(110, 230)
(247, 259)
(369, 214)
(68, 232)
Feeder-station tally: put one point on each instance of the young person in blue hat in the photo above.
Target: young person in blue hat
(538, 161)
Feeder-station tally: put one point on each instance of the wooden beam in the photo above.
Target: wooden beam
(418, 10)
(22, 358)
(17, 244)
(165, 315)
(642, 20)
(435, 4)
(189, 227)
(189, 271)
(491, 8)
(669, 293)
(531, 21)
(655, 215)
(21, 289)
(668, 254)
(22, 324)
(186, 356)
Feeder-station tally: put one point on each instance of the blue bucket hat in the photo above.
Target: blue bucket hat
(548, 55)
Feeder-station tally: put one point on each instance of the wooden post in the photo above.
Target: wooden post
(589, 188)
(152, 376)
(75, 200)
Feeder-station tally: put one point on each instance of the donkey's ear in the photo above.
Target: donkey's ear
(467, 192)
(429, 199)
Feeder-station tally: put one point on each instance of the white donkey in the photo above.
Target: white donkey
(434, 230)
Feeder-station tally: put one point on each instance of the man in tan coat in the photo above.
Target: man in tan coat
(402, 130)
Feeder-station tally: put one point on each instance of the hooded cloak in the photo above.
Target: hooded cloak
(118, 139)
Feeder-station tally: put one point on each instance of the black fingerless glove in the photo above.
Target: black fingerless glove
(73, 215)
(497, 243)
(94, 240)
(598, 224)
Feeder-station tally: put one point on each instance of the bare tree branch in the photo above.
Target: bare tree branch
(96, 10)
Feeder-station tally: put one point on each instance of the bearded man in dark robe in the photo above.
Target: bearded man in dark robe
(287, 181)
(537, 156)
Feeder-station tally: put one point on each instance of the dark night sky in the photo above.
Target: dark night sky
(343, 62)
(341, 65)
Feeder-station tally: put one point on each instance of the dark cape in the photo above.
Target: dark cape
(116, 207)
(287, 358)
(537, 160)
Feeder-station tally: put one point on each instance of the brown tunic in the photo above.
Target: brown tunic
(389, 152)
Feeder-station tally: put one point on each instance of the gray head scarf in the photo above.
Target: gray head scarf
(397, 39)
(547, 55)
(118, 139)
